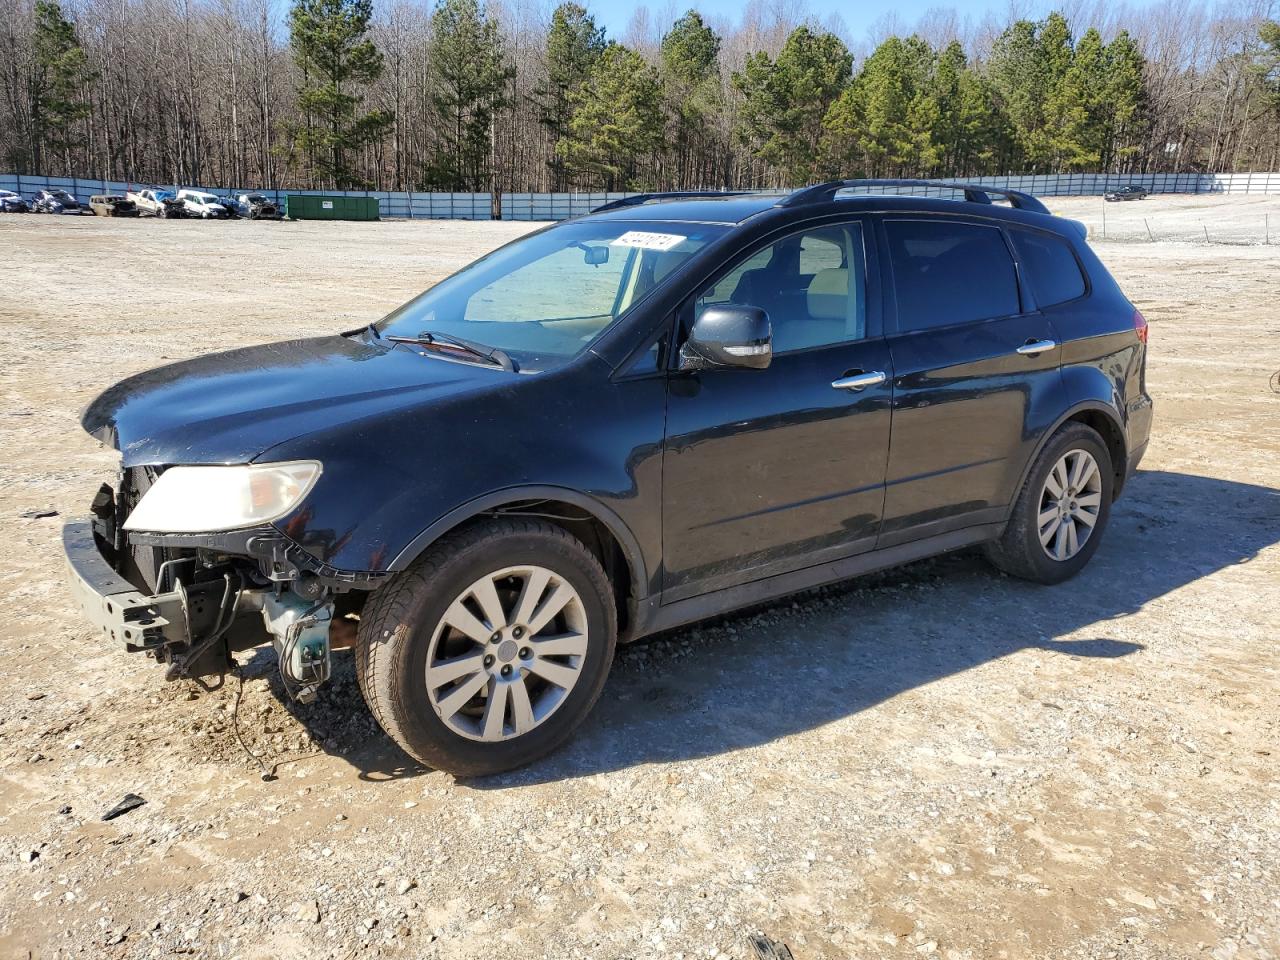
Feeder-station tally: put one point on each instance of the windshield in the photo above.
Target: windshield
(544, 298)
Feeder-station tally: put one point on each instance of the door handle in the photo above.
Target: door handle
(860, 381)
(1033, 347)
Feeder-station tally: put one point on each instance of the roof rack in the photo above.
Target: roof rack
(973, 193)
(640, 198)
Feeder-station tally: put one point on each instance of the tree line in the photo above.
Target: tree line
(464, 96)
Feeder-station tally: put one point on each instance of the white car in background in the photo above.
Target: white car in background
(201, 204)
(158, 203)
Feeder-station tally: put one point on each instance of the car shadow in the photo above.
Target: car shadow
(805, 661)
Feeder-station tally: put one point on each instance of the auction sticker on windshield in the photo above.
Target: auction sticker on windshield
(647, 241)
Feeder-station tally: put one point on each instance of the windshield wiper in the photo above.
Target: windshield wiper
(446, 342)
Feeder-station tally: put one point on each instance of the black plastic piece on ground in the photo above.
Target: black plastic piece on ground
(131, 801)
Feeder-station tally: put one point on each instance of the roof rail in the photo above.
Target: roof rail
(973, 193)
(640, 198)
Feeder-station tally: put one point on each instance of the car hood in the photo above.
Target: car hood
(232, 407)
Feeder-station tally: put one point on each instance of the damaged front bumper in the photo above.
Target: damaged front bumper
(195, 627)
(114, 605)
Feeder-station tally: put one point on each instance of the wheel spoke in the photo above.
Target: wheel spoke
(1087, 518)
(1073, 542)
(495, 710)
(1047, 517)
(556, 673)
(564, 644)
(1092, 500)
(1056, 482)
(458, 698)
(535, 585)
(447, 671)
(1076, 468)
(486, 595)
(562, 594)
(1086, 471)
(1060, 542)
(1047, 534)
(461, 619)
(521, 709)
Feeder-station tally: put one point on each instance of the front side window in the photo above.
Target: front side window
(949, 271)
(544, 298)
(811, 284)
(1049, 266)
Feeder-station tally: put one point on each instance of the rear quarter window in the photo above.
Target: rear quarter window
(950, 271)
(1050, 267)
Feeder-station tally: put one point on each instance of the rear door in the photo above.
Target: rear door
(976, 374)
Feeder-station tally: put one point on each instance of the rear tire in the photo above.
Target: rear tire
(1059, 517)
(467, 694)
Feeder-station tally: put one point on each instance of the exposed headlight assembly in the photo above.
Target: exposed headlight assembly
(212, 499)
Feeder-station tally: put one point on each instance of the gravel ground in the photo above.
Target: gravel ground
(934, 761)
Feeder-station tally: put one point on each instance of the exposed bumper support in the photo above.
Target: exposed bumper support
(113, 604)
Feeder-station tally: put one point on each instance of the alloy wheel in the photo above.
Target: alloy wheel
(506, 653)
(1069, 504)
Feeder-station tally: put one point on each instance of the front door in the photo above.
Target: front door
(768, 471)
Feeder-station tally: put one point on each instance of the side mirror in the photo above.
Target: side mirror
(729, 336)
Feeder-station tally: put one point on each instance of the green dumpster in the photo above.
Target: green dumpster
(299, 206)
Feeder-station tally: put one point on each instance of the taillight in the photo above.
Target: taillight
(1140, 325)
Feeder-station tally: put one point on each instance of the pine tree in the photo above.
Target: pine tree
(616, 122)
(60, 72)
(1028, 66)
(574, 45)
(691, 81)
(1079, 106)
(1266, 65)
(1124, 101)
(330, 45)
(472, 83)
(972, 135)
(786, 102)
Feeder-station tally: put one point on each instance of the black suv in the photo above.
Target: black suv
(669, 409)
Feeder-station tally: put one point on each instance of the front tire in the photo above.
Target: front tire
(488, 651)
(1060, 515)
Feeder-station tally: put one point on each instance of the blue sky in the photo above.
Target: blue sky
(859, 17)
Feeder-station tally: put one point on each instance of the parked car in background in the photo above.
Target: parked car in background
(11, 202)
(254, 206)
(207, 206)
(1125, 193)
(231, 205)
(55, 201)
(158, 203)
(661, 412)
(112, 205)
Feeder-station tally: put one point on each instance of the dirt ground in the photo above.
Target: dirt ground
(934, 761)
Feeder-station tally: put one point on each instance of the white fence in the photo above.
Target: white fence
(561, 206)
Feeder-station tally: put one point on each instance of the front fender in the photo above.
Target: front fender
(392, 485)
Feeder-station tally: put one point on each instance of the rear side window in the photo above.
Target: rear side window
(1049, 266)
(946, 271)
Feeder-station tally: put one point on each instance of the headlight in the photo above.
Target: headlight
(210, 499)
